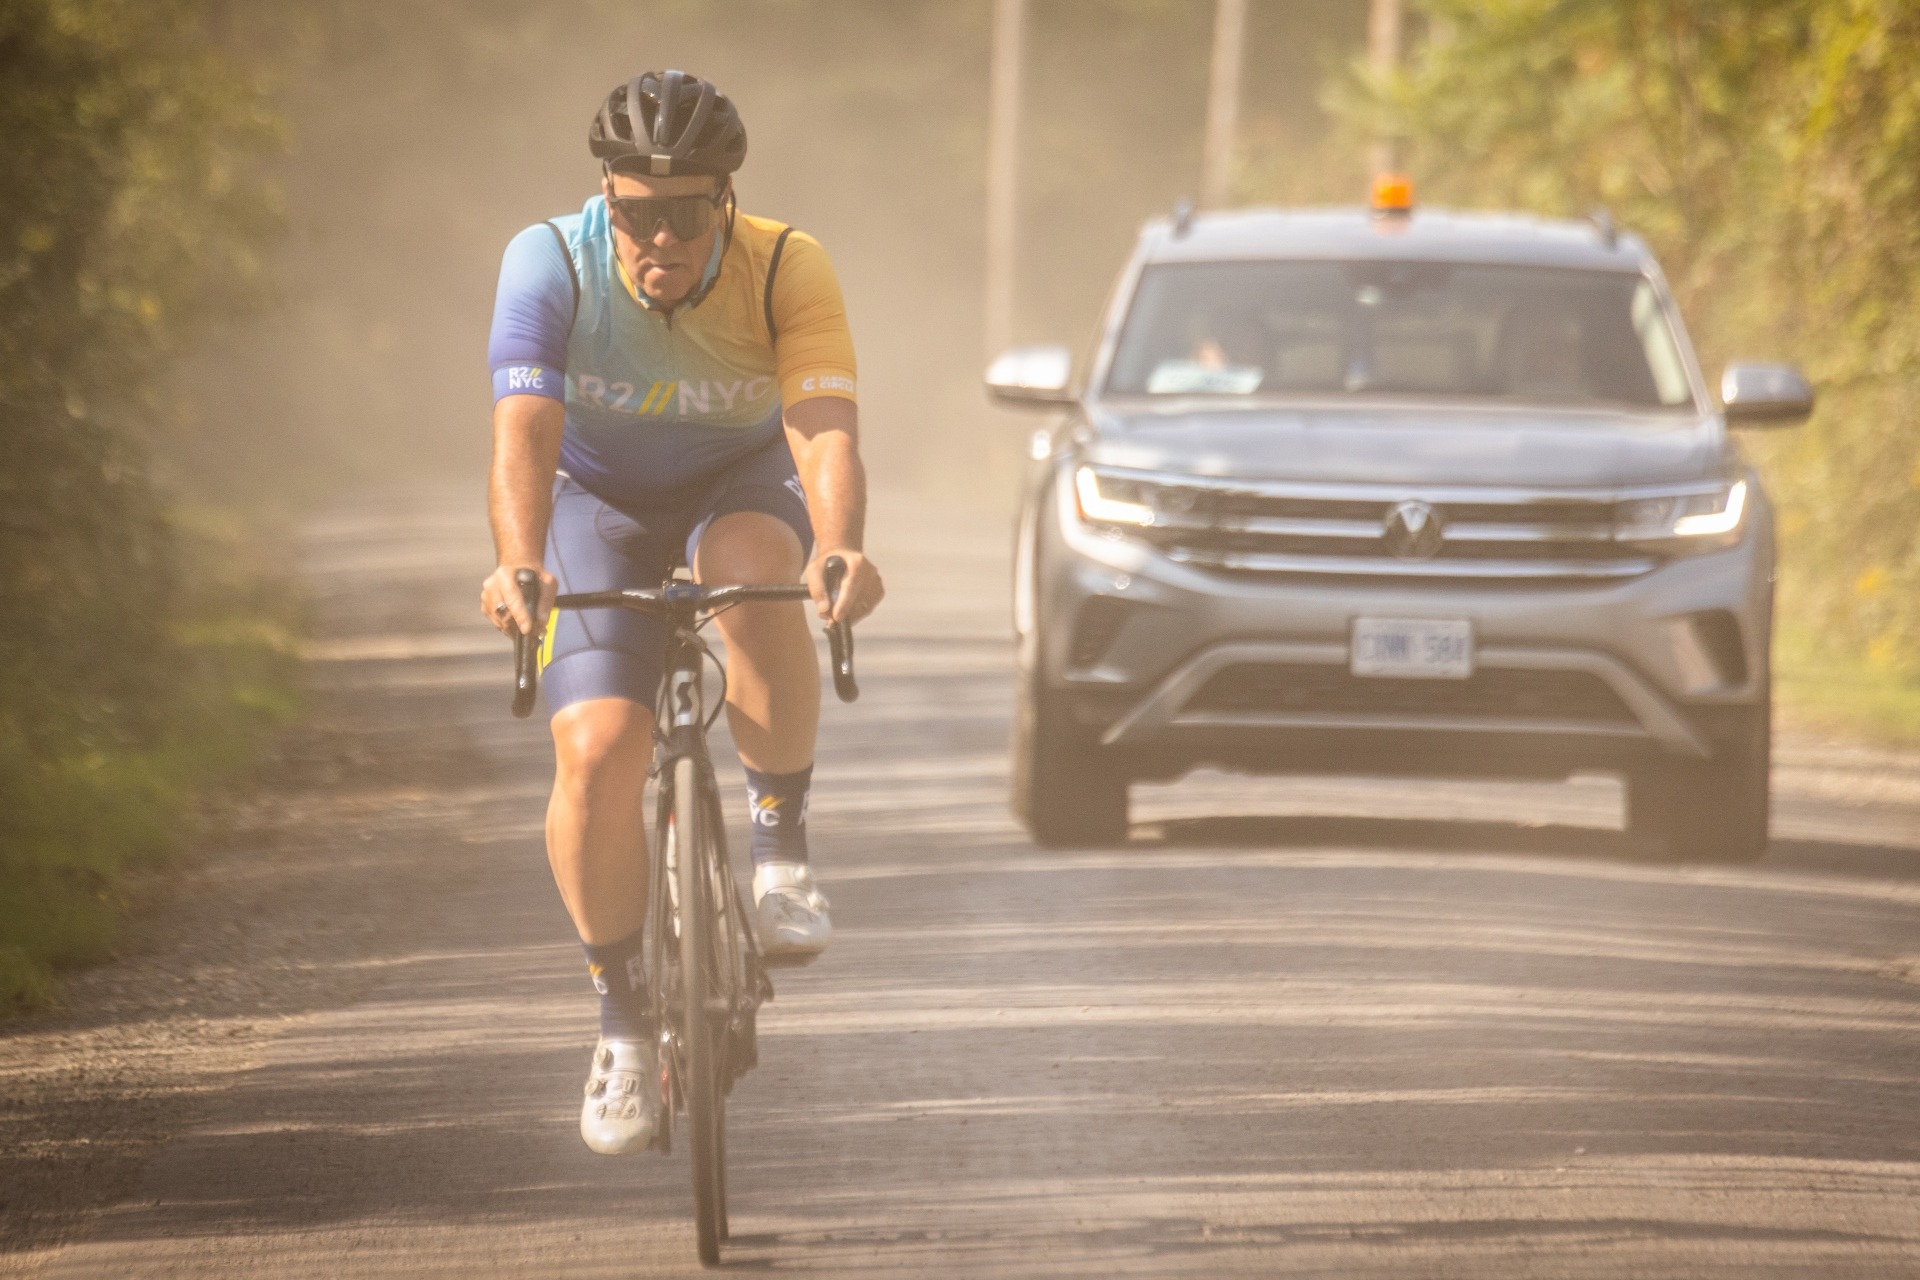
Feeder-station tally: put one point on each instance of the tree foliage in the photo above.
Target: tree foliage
(133, 208)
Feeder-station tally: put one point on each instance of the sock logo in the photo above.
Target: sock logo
(598, 975)
(766, 809)
(636, 973)
(777, 807)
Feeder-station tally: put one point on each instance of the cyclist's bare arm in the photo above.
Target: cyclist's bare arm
(824, 434)
(526, 451)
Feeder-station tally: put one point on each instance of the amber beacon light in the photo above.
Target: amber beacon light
(1392, 195)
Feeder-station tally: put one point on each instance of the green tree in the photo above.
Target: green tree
(133, 210)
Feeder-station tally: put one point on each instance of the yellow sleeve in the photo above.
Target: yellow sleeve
(812, 346)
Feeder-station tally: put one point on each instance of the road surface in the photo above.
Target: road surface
(1292, 1028)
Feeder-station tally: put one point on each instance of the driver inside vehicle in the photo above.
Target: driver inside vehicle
(1234, 339)
(1227, 357)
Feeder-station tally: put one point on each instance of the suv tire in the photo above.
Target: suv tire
(1709, 810)
(1066, 794)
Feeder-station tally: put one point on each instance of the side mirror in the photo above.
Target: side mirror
(1025, 376)
(1763, 395)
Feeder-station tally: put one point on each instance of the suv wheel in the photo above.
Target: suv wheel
(1065, 792)
(1709, 810)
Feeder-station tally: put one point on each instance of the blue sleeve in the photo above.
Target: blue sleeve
(532, 317)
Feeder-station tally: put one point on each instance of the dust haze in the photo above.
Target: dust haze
(424, 135)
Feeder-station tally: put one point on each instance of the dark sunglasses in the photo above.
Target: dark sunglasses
(688, 217)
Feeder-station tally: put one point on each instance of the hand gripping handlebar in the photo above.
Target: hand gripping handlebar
(526, 648)
(839, 634)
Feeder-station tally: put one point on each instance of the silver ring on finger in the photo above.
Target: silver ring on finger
(500, 610)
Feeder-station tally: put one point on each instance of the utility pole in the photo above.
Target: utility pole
(1003, 169)
(1223, 102)
(1383, 59)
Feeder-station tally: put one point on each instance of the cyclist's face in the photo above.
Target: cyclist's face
(661, 265)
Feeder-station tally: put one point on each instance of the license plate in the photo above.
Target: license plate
(1413, 648)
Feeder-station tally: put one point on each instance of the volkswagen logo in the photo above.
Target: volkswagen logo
(1414, 531)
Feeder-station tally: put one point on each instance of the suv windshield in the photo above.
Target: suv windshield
(1538, 335)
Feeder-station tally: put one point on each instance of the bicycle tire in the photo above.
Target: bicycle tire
(663, 961)
(702, 979)
(729, 950)
(721, 1225)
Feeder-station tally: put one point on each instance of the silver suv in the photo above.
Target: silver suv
(1406, 493)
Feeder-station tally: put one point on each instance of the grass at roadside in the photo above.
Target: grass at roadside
(85, 818)
(1845, 695)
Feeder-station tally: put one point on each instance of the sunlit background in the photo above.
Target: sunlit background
(422, 136)
(248, 253)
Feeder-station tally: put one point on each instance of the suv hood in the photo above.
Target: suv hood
(1415, 446)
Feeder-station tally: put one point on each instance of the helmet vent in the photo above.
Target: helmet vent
(666, 123)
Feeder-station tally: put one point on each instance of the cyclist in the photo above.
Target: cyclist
(673, 383)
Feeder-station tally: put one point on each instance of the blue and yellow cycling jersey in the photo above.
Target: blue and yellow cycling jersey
(660, 400)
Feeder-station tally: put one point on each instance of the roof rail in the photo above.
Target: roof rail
(1182, 218)
(1603, 227)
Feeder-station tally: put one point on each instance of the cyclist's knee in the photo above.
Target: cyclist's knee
(602, 740)
(751, 547)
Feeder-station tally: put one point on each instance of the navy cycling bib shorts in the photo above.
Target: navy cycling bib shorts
(594, 546)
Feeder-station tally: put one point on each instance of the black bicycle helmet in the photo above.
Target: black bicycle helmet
(664, 123)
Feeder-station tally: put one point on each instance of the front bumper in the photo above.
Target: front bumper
(1658, 665)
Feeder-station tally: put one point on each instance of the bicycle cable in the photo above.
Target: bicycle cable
(706, 651)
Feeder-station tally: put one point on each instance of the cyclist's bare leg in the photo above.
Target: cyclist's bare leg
(596, 844)
(596, 834)
(773, 675)
(773, 708)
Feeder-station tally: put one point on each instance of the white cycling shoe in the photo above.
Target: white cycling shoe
(623, 1092)
(794, 923)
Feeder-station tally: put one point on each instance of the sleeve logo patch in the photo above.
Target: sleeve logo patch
(828, 382)
(525, 378)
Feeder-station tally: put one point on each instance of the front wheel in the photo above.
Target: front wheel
(1709, 810)
(702, 982)
(1065, 792)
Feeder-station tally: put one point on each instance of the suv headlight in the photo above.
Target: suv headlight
(1110, 499)
(1684, 521)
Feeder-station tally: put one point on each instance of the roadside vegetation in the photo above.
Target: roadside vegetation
(1770, 154)
(145, 651)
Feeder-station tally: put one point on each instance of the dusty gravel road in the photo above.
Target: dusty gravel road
(1352, 1029)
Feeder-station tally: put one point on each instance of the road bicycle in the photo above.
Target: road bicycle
(710, 975)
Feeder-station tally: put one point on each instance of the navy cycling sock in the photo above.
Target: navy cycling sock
(777, 803)
(619, 974)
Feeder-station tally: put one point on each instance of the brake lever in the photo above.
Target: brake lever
(526, 648)
(839, 635)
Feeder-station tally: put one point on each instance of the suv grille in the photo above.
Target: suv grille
(1248, 528)
(1289, 688)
